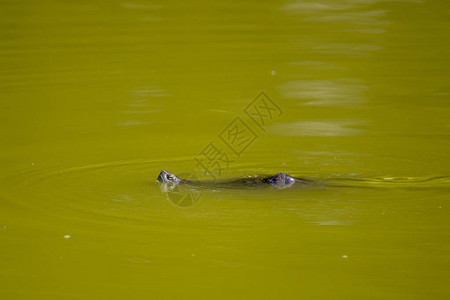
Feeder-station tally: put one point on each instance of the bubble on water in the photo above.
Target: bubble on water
(67, 236)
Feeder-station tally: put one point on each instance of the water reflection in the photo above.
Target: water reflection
(318, 128)
(141, 105)
(371, 17)
(315, 65)
(338, 92)
(346, 12)
(182, 195)
(150, 11)
(74, 70)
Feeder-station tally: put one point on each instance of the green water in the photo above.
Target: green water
(98, 97)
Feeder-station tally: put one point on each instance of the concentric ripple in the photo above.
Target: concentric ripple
(103, 192)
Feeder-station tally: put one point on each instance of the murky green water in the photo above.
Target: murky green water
(97, 98)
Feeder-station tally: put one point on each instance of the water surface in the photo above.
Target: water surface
(97, 98)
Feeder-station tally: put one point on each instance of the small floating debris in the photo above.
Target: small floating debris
(273, 72)
(344, 256)
(67, 236)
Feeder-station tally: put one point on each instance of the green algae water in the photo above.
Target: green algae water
(98, 97)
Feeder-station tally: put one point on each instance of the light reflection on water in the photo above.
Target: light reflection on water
(340, 92)
(318, 128)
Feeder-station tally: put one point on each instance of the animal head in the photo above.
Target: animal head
(168, 178)
(281, 180)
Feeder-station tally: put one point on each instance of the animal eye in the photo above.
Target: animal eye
(169, 177)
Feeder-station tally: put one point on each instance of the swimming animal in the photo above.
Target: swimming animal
(280, 181)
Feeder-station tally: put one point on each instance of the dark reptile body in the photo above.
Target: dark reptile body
(280, 180)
